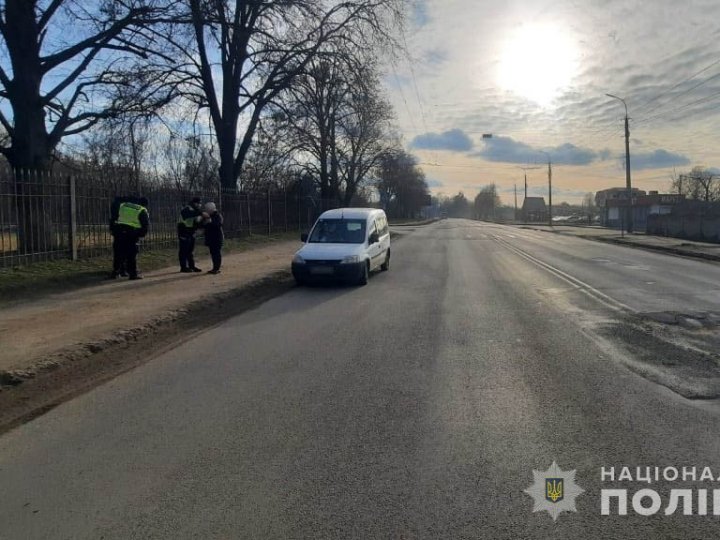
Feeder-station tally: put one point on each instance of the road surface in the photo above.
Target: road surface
(415, 407)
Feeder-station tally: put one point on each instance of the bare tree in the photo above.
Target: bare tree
(364, 131)
(486, 201)
(339, 121)
(401, 184)
(58, 87)
(117, 150)
(700, 183)
(188, 164)
(270, 162)
(589, 206)
(313, 108)
(261, 47)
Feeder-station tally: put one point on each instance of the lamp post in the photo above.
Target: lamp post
(627, 165)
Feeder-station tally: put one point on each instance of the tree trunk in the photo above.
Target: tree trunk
(226, 143)
(31, 149)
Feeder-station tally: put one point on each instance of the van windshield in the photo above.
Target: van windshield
(338, 231)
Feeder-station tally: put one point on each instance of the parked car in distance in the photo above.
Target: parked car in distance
(344, 244)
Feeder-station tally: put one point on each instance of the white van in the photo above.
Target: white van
(347, 244)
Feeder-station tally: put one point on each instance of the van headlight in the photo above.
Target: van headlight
(297, 259)
(351, 259)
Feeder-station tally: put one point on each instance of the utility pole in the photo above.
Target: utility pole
(549, 188)
(549, 192)
(525, 170)
(627, 166)
(515, 185)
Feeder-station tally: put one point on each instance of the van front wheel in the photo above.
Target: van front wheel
(386, 265)
(364, 274)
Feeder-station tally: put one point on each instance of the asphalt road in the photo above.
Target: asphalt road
(415, 407)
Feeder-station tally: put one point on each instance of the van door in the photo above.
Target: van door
(375, 251)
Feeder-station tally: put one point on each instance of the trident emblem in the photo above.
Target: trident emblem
(554, 489)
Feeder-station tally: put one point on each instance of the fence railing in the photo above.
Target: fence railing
(692, 220)
(46, 217)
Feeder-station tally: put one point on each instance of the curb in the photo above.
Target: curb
(661, 249)
(620, 242)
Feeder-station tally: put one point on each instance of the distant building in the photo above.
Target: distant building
(534, 210)
(613, 212)
(614, 193)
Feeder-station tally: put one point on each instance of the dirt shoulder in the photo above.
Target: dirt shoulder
(65, 343)
(31, 331)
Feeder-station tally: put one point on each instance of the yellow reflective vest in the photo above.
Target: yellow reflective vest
(129, 215)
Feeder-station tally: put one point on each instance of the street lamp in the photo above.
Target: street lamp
(627, 165)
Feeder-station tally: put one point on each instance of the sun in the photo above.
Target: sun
(537, 61)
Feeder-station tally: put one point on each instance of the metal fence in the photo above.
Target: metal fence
(692, 220)
(66, 216)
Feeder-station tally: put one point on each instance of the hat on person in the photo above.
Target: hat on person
(195, 200)
(210, 207)
(142, 201)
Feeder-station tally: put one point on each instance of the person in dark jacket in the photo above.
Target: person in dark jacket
(118, 260)
(214, 236)
(132, 224)
(190, 219)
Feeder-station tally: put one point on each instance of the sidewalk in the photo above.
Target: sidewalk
(675, 246)
(32, 331)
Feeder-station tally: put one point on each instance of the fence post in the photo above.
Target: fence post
(269, 212)
(249, 215)
(73, 219)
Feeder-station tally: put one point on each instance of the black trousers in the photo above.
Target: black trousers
(216, 255)
(186, 246)
(126, 250)
(118, 256)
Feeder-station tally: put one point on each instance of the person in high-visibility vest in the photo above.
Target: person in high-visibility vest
(190, 218)
(131, 224)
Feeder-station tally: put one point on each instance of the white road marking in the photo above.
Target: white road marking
(576, 283)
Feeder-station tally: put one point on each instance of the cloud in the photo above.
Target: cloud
(658, 159)
(434, 183)
(454, 140)
(508, 150)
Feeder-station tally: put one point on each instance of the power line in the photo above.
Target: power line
(685, 92)
(402, 96)
(696, 102)
(703, 70)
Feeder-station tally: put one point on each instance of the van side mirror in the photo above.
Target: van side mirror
(374, 238)
(303, 237)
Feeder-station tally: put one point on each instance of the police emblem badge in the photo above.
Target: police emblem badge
(554, 491)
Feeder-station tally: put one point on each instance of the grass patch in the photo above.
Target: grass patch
(38, 279)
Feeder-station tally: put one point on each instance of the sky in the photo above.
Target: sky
(535, 73)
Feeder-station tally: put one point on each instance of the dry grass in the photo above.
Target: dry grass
(33, 280)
